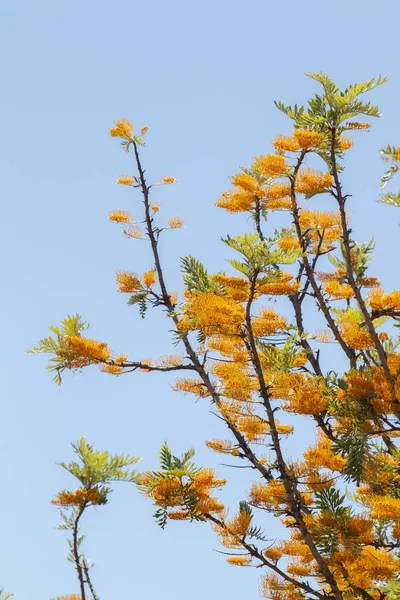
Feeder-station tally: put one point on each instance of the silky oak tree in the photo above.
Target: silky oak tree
(339, 500)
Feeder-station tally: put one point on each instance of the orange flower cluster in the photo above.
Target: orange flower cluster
(248, 183)
(321, 456)
(88, 348)
(212, 314)
(302, 394)
(308, 139)
(239, 560)
(127, 282)
(170, 492)
(309, 182)
(356, 337)
(223, 447)
(378, 300)
(270, 165)
(149, 278)
(268, 322)
(120, 216)
(285, 143)
(284, 286)
(337, 290)
(175, 222)
(77, 498)
(126, 180)
(115, 368)
(123, 128)
(237, 380)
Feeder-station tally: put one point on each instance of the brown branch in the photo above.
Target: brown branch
(255, 553)
(89, 581)
(296, 503)
(310, 272)
(198, 366)
(75, 552)
(341, 200)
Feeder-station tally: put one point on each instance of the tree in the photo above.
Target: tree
(95, 471)
(340, 501)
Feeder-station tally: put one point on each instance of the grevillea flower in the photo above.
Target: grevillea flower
(88, 348)
(127, 282)
(175, 222)
(246, 182)
(285, 143)
(123, 128)
(167, 180)
(310, 182)
(307, 139)
(126, 180)
(239, 560)
(270, 165)
(120, 216)
(149, 278)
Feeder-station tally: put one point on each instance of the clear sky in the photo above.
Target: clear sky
(203, 77)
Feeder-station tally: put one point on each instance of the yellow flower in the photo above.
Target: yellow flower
(280, 204)
(120, 216)
(339, 290)
(278, 191)
(308, 139)
(270, 165)
(149, 278)
(273, 553)
(133, 232)
(116, 368)
(233, 202)
(126, 180)
(168, 179)
(155, 208)
(144, 130)
(123, 128)
(127, 282)
(310, 181)
(239, 561)
(77, 498)
(283, 143)
(88, 348)
(175, 222)
(246, 182)
(355, 337)
(222, 446)
(345, 143)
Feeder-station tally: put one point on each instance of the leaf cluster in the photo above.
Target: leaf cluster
(72, 325)
(98, 468)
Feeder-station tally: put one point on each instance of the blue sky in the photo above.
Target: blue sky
(203, 77)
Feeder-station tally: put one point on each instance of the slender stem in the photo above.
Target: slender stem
(255, 553)
(89, 581)
(75, 552)
(294, 496)
(199, 367)
(310, 272)
(341, 199)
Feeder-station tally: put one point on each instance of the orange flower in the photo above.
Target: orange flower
(149, 278)
(127, 282)
(120, 216)
(270, 165)
(167, 180)
(307, 138)
(175, 222)
(123, 128)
